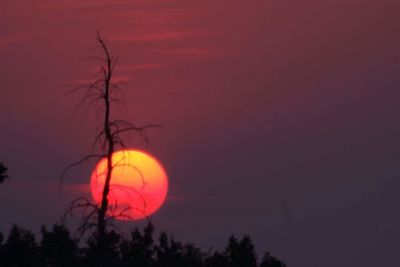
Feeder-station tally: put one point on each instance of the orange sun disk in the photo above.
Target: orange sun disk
(138, 186)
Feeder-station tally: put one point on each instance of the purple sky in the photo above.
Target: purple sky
(281, 118)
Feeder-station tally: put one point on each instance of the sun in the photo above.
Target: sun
(138, 187)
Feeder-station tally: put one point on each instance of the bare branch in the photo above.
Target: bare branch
(94, 58)
(74, 165)
(91, 86)
(139, 130)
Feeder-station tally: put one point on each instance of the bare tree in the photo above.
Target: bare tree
(102, 94)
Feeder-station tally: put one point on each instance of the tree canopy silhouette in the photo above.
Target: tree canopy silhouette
(3, 173)
(139, 249)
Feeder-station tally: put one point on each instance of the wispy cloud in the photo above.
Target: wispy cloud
(115, 79)
(13, 39)
(160, 36)
(113, 8)
(72, 4)
(189, 53)
(78, 188)
(138, 67)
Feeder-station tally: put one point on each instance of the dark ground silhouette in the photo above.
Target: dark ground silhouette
(57, 248)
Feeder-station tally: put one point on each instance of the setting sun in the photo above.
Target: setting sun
(138, 186)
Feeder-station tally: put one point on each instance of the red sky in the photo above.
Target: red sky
(280, 117)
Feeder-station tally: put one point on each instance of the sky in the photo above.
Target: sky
(280, 118)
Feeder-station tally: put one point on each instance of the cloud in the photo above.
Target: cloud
(13, 39)
(160, 36)
(63, 4)
(115, 79)
(76, 187)
(138, 67)
(189, 53)
(114, 8)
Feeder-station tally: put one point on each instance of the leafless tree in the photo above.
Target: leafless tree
(102, 94)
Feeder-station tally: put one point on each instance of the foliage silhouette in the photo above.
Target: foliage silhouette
(104, 254)
(270, 261)
(241, 253)
(3, 173)
(57, 248)
(215, 259)
(20, 249)
(140, 249)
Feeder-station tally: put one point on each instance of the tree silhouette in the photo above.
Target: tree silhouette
(3, 173)
(168, 252)
(270, 261)
(103, 93)
(241, 253)
(192, 256)
(20, 249)
(139, 250)
(105, 253)
(217, 259)
(57, 248)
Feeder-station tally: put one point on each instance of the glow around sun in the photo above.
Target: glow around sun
(138, 187)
